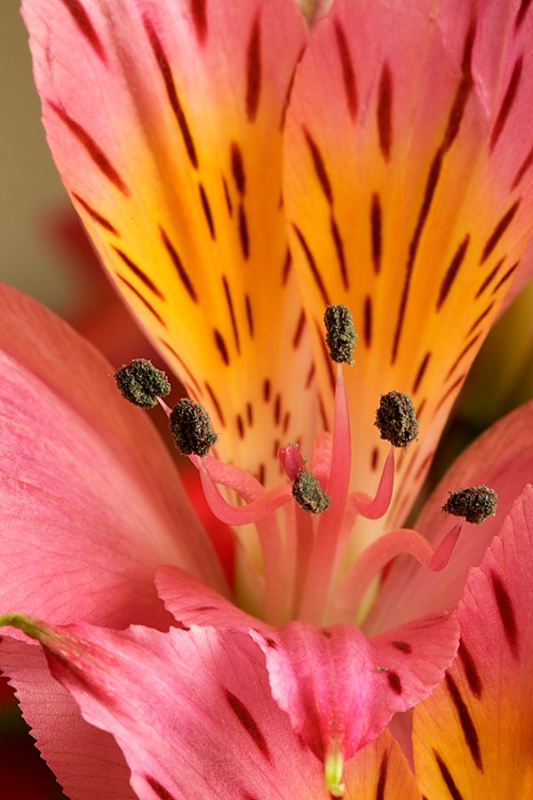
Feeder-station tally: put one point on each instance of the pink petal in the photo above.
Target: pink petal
(92, 502)
(501, 458)
(191, 711)
(341, 689)
(473, 737)
(87, 761)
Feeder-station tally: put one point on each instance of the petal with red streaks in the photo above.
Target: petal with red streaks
(191, 710)
(409, 192)
(501, 458)
(473, 737)
(165, 120)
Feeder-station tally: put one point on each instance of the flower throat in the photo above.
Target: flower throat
(304, 525)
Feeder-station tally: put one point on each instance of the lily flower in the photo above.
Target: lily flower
(238, 175)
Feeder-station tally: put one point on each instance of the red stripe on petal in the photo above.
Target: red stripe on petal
(85, 26)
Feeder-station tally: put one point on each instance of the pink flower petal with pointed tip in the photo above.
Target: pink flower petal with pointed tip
(336, 684)
(501, 458)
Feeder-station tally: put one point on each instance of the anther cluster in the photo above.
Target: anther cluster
(474, 503)
(396, 419)
(141, 383)
(340, 334)
(309, 494)
(191, 428)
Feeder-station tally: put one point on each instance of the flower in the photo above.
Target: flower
(238, 174)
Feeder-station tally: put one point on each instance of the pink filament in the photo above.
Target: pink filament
(232, 515)
(164, 406)
(259, 510)
(248, 487)
(373, 560)
(328, 545)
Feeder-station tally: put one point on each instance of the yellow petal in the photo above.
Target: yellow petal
(474, 736)
(165, 119)
(409, 198)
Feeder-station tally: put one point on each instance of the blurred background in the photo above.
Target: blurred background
(30, 189)
(44, 253)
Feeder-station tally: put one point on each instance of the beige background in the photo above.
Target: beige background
(30, 190)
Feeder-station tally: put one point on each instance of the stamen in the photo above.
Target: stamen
(396, 419)
(340, 334)
(252, 512)
(309, 494)
(475, 503)
(331, 534)
(141, 383)
(321, 462)
(191, 428)
(373, 560)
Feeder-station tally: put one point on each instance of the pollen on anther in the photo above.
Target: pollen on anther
(141, 383)
(340, 334)
(396, 419)
(309, 494)
(191, 428)
(474, 503)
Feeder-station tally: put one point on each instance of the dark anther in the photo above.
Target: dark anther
(309, 494)
(141, 383)
(396, 419)
(340, 334)
(191, 428)
(475, 503)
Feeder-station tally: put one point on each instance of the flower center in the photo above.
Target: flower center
(303, 527)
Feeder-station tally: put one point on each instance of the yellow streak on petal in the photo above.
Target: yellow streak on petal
(171, 149)
(400, 210)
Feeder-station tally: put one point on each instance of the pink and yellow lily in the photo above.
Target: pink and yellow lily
(238, 172)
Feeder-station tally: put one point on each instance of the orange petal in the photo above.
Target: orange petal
(474, 736)
(165, 120)
(409, 196)
(380, 772)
